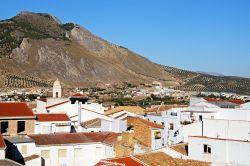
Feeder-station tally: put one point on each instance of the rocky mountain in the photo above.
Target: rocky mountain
(36, 48)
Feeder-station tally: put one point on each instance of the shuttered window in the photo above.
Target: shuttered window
(62, 153)
(24, 149)
(78, 152)
(45, 154)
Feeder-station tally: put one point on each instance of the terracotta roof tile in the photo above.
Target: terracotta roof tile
(15, 110)
(132, 109)
(162, 159)
(92, 123)
(147, 122)
(52, 117)
(181, 148)
(57, 104)
(75, 138)
(42, 99)
(163, 108)
(32, 157)
(2, 143)
(122, 161)
(220, 100)
(79, 95)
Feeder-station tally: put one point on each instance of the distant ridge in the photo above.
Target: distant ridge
(37, 48)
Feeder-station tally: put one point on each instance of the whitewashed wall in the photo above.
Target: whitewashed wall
(87, 155)
(223, 152)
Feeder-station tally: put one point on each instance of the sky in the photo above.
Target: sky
(197, 35)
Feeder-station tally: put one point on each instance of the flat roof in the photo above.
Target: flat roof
(220, 139)
(19, 139)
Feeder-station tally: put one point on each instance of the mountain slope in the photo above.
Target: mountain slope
(37, 48)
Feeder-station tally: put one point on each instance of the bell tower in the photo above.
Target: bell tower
(57, 89)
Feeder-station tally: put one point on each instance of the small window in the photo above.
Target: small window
(157, 135)
(78, 152)
(171, 126)
(98, 150)
(207, 149)
(62, 153)
(56, 94)
(45, 154)
(20, 126)
(173, 113)
(24, 149)
(4, 127)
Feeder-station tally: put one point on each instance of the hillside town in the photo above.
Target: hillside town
(73, 130)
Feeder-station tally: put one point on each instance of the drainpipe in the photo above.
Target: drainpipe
(79, 112)
(202, 127)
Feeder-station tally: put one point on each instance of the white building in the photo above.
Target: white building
(52, 123)
(75, 148)
(221, 152)
(19, 147)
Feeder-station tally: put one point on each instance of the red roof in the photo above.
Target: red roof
(220, 100)
(75, 138)
(15, 110)
(237, 101)
(122, 161)
(79, 95)
(148, 123)
(57, 104)
(52, 117)
(42, 99)
(2, 143)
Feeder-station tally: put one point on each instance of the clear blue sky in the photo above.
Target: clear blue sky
(198, 35)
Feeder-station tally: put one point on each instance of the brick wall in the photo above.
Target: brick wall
(12, 127)
(125, 147)
(142, 132)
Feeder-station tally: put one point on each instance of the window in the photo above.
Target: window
(4, 127)
(207, 149)
(62, 153)
(45, 154)
(56, 94)
(24, 149)
(78, 152)
(200, 118)
(171, 126)
(173, 113)
(20, 126)
(157, 135)
(98, 150)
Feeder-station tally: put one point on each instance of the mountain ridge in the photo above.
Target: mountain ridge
(37, 48)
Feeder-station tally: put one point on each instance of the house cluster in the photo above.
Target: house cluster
(72, 131)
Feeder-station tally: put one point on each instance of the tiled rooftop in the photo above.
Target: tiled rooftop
(162, 159)
(52, 117)
(92, 123)
(122, 161)
(147, 122)
(57, 104)
(15, 110)
(75, 138)
(181, 148)
(161, 108)
(132, 109)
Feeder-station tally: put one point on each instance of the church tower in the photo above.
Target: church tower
(57, 89)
